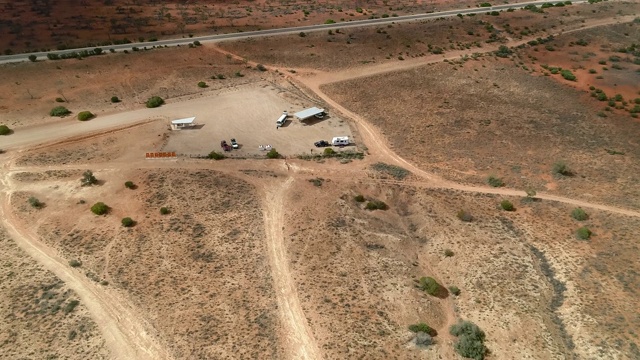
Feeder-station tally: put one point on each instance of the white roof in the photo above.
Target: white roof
(183, 121)
(307, 113)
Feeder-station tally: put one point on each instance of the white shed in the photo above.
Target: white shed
(182, 123)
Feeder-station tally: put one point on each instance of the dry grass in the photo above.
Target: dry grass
(34, 321)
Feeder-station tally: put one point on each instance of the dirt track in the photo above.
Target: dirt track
(125, 333)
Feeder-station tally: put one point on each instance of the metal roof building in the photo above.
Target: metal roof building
(181, 123)
(307, 113)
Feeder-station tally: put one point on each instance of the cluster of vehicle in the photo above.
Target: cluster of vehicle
(226, 147)
(336, 141)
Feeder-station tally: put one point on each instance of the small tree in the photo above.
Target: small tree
(130, 185)
(465, 216)
(273, 154)
(33, 58)
(561, 168)
(154, 102)
(34, 202)
(164, 211)
(59, 111)
(470, 342)
(115, 99)
(579, 214)
(85, 115)
(495, 182)
(359, 198)
(329, 152)
(422, 327)
(99, 208)
(202, 84)
(507, 205)
(583, 233)
(75, 263)
(4, 130)
(454, 290)
(215, 155)
(88, 179)
(128, 222)
(429, 285)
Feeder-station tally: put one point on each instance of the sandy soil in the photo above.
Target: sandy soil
(41, 318)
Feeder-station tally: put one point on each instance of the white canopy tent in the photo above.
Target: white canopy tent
(310, 112)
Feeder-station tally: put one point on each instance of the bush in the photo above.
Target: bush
(88, 179)
(423, 339)
(503, 51)
(359, 198)
(70, 306)
(302, 34)
(579, 214)
(448, 253)
(422, 327)
(34, 202)
(495, 182)
(128, 222)
(154, 102)
(215, 155)
(465, 216)
(197, 43)
(115, 99)
(273, 154)
(568, 75)
(396, 171)
(376, 205)
(59, 99)
(470, 342)
(75, 263)
(59, 111)
(329, 151)
(202, 84)
(4, 130)
(507, 205)
(99, 208)
(583, 233)
(454, 290)
(561, 168)
(430, 285)
(164, 211)
(33, 58)
(129, 185)
(85, 115)
(261, 67)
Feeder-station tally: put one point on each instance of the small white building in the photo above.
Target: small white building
(309, 113)
(183, 123)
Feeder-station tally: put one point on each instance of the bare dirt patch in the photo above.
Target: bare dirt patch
(41, 315)
(470, 122)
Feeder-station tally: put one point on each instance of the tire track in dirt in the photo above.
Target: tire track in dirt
(124, 332)
(298, 338)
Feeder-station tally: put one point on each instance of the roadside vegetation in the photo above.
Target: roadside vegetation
(470, 342)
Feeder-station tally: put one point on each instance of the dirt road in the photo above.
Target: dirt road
(299, 339)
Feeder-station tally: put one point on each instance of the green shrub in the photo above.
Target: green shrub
(164, 211)
(99, 208)
(330, 21)
(33, 58)
(59, 111)
(85, 115)
(359, 198)
(430, 285)
(115, 99)
(561, 168)
(261, 67)
(197, 43)
(329, 152)
(592, 71)
(470, 342)
(579, 214)
(507, 205)
(202, 84)
(4, 130)
(376, 205)
(238, 74)
(568, 75)
(583, 233)
(59, 99)
(154, 102)
(88, 179)
(448, 253)
(70, 306)
(130, 185)
(422, 327)
(273, 154)
(454, 290)
(302, 34)
(464, 216)
(395, 171)
(503, 51)
(317, 181)
(128, 222)
(75, 263)
(495, 182)
(34, 202)
(215, 155)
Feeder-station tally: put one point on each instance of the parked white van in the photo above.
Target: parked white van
(340, 141)
(282, 119)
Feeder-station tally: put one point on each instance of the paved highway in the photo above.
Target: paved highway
(284, 31)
